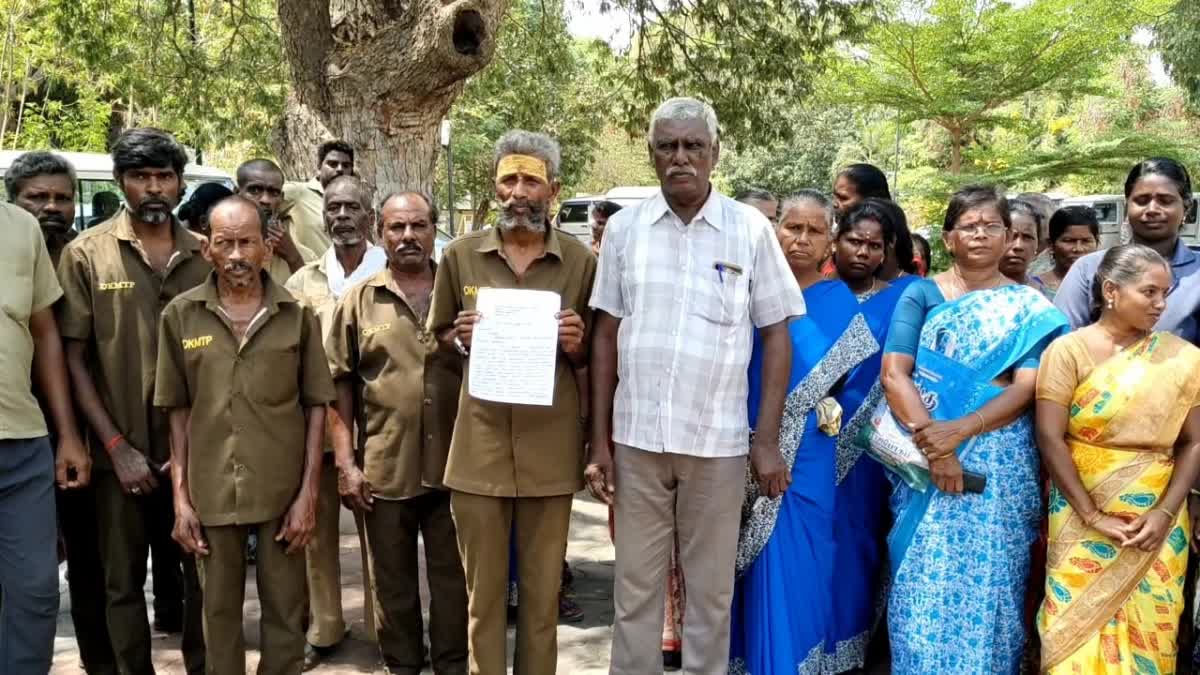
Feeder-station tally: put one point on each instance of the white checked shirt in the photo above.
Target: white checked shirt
(689, 298)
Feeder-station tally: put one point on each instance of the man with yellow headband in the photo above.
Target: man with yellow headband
(513, 469)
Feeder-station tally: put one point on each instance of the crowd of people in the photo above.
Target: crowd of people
(210, 384)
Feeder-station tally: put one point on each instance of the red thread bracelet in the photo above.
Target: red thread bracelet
(114, 442)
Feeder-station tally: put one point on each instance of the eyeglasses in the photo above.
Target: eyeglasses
(990, 229)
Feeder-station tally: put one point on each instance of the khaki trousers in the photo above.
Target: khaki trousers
(280, 580)
(327, 625)
(661, 496)
(392, 528)
(484, 525)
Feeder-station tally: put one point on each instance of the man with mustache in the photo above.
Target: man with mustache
(515, 468)
(43, 184)
(305, 201)
(319, 285)
(685, 279)
(402, 391)
(261, 181)
(116, 279)
(244, 379)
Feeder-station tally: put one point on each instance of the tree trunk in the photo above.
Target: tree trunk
(381, 75)
(956, 147)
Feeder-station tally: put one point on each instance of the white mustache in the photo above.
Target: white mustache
(680, 171)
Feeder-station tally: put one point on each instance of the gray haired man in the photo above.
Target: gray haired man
(685, 278)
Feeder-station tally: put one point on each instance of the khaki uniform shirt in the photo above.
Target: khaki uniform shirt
(278, 268)
(500, 449)
(304, 203)
(29, 286)
(406, 389)
(112, 300)
(247, 432)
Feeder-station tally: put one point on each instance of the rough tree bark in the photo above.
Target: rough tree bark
(381, 75)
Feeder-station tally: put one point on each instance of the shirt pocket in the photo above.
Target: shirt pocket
(723, 299)
(276, 377)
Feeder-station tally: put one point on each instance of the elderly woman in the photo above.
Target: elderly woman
(959, 370)
(1074, 233)
(1113, 398)
(782, 601)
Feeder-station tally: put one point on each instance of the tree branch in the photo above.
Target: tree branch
(307, 36)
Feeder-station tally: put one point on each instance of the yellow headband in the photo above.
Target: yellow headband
(523, 164)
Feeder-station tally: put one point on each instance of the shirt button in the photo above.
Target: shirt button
(428, 401)
(237, 429)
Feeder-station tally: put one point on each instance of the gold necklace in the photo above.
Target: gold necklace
(1117, 346)
(962, 283)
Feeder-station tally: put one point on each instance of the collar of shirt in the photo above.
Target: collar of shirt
(494, 244)
(711, 213)
(385, 279)
(273, 296)
(315, 185)
(1184, 257)
(187, 243)
(374, 260)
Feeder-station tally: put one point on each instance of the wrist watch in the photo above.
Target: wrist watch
(462, 349)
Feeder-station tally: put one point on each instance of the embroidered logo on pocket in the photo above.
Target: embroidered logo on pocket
(116, 285)
(368, 332)
(197, 342)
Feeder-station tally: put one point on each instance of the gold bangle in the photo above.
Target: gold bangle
(982, 422)
(1172, 516)
(1091, 518)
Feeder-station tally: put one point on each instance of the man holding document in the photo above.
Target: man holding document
(512, 301)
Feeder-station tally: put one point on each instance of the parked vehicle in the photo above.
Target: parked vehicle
(94, 174)
(1114, 226)
(573, 214)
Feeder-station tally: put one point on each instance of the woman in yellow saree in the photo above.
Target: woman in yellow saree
(1119, 432)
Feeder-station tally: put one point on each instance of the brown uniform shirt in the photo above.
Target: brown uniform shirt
(406, 389)
(112, 299)
(246, 437)
(500, 449)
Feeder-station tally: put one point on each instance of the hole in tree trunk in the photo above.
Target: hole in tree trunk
(469, 33)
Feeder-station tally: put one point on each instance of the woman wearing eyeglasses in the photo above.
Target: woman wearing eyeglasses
(959, 371)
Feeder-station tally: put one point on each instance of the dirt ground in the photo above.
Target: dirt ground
(583, 648)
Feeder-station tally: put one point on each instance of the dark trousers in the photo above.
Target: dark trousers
(28, 556)
(166, 565)
(85, 579)
(392, 528)
(126, 524)
(281, 595)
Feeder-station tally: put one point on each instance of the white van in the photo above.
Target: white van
(574, 214)
(1114, 226)
(94, 174)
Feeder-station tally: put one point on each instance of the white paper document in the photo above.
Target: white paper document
(514, 348)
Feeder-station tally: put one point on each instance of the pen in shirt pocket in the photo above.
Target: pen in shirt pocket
(722, 267)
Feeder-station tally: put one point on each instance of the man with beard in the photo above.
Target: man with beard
(304, 201)
(243, 375)
(116, 279)
(515, 468)
(402, 391)
(686, 279)
(43, 184)
(261, 181)
(319, 285)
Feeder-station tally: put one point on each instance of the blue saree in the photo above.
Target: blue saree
(785, 562)
(861, 517)
(961, 562)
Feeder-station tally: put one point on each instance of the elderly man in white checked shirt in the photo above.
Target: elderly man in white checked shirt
(683, 281)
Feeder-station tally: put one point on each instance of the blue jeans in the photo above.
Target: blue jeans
(28, 557)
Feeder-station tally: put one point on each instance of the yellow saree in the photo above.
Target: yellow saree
(1110, 609)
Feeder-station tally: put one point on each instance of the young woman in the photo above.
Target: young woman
(959, 371)
(1074, 233)
(1113, 398)
(857, 182)
(1022, 243)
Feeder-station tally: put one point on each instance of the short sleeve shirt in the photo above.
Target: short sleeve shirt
(30, 286)
(406, 388)
(304, 203)
(689, 296)
(278, 268)
(246, 438)
(112, 300)
(505, 450)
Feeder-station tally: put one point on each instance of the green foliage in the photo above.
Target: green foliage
(958, 63)
(540, 80)
(742, 57)
(1177, 37)
(618, 160)
(804, 161)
